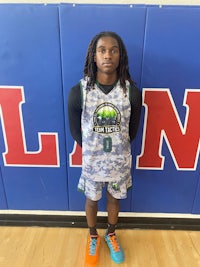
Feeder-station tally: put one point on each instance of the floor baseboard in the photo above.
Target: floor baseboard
(80, 222)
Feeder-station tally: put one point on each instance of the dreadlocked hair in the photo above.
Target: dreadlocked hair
(90, 68)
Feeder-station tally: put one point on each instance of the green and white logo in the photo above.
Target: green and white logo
(106, 119)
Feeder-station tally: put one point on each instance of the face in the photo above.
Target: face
(107, 55)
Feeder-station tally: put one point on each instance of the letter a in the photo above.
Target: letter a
(76, 156)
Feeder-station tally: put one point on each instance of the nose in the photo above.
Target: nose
(107, 54)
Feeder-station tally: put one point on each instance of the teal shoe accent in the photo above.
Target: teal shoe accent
(116, 252)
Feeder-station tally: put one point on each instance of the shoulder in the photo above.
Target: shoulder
(74, 92)
(135, 94)
(74, 96)
(75, 89)
(134, 89)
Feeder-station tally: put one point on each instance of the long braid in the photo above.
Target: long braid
(90, 68)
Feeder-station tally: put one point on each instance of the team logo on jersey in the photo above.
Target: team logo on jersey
(106, 119)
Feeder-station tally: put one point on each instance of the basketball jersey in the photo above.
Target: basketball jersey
(106, 149)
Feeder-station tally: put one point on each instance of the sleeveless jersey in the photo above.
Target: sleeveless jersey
(106, 149)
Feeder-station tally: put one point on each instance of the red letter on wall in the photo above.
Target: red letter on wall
(75, 156)
(16, 154)
(162, 122)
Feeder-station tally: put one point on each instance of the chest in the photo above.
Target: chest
(97, 99)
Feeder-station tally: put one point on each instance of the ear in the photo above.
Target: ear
(95, 57)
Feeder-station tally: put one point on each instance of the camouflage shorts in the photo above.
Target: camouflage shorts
(93, 189)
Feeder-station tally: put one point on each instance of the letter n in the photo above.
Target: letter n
(162, 122)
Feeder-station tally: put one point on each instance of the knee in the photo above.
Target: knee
(90, 203)
(111, 200)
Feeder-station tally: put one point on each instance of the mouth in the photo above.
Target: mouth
(107, 64)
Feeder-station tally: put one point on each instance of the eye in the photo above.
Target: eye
(101, 51)
(114, 51)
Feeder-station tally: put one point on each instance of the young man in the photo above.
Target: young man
(104, 112)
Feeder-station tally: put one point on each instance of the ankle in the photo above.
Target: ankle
(93, 232)
(111, 229)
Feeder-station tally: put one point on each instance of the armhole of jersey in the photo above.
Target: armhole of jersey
(81, 89)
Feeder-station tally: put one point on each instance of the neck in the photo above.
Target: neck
(106, 79)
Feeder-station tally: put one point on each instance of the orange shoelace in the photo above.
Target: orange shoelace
(114, 243)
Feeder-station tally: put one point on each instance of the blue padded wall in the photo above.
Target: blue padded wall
(42, 52)
(3, 202)
(171, 60)
(30, 57)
